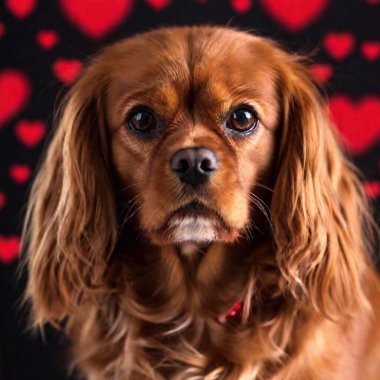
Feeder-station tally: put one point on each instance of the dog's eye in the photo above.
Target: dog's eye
(142, 121)
(242, 120)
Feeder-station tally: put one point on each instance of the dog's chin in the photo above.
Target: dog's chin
(194, 224)
(197, 229)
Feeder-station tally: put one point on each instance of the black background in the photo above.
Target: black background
(23, 356)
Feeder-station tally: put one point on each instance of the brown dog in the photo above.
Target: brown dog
(152, 229)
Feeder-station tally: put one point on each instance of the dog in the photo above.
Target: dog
(195, 217)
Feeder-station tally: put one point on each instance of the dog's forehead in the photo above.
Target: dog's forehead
(169, 66)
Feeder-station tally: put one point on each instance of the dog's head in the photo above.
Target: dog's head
(192, 117)
(182, 129)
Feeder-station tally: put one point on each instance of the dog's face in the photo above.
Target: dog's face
(192, 119)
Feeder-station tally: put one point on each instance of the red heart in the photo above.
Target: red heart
(96, 18)
(371, 50)
(2, 29)
(30, 132)
(67, 70)
(321, 72)
(372, 189)
(339, 45)
(20, 173)
(241, 6)
(21, 8)
(158, 5)
(3, 200)
(294, 14)
(14, 93)
(9, 247)
(358, 123)
(47, 38)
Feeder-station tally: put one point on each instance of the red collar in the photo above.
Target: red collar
(235, 310)
(234, 313)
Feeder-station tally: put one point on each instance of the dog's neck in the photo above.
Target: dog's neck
(214, 273)
(190, 249)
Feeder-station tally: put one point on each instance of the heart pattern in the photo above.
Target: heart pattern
(241, 6)
(371, 50)
(358, 122)
(295, 15)
(15, 90)
(20, 173)
(9, 248)
(322, 72)
(30, 133)
(2, 30)
(158, 5)
(372, 189)
(21, 8)
(47, 39)
(67, 70)
(339, 45)
(3, 199)
(96, 18)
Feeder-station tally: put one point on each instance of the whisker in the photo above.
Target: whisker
(125, 204)
(264, 187)
(261, 202)
(257, 228)
(261, 205)
(264, 212)
(129, 186)
(248, 234)
(129, 214)
(138, 209)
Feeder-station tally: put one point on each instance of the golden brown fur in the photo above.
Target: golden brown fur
(138, 305)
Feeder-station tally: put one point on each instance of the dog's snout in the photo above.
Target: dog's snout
(194, 166)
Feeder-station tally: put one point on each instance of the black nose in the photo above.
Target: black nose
(194, 166)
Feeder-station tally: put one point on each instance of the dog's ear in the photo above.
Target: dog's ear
(318, 207)
(71, 224)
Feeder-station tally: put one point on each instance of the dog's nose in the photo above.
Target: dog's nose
(194, 166)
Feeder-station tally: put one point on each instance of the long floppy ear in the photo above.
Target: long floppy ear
(70, 225)
(318, 208)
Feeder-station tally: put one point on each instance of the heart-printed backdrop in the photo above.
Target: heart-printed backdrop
(44, 45)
